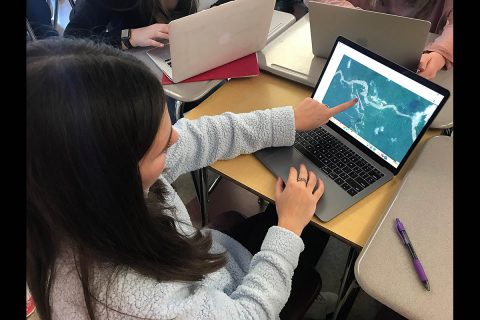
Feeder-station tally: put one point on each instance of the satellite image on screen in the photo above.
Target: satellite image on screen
(387, 115)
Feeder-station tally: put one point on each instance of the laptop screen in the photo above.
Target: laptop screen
(393, 107)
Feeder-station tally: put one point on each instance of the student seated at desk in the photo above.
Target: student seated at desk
(147, 20)
(107, 235)
(144, 22)
(438, 54)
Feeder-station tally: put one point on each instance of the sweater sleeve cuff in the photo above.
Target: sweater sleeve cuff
(446, 55)
(283, 123)
(283, 242)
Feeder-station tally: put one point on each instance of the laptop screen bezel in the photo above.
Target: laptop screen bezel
(433, 86)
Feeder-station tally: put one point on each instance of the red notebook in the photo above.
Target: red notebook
(243, 67)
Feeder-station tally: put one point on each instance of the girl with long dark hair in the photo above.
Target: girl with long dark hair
(107, 235)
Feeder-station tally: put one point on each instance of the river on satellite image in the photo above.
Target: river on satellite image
(387, 115)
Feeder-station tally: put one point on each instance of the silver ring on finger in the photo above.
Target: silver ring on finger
(302, 179)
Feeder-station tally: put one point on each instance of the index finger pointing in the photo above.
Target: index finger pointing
(342, 107)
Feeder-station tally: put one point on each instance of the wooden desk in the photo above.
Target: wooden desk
(353, 226)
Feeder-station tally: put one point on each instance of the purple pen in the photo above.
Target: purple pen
(416, 261)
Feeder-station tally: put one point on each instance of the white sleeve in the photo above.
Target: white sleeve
(210, 138)
(262, 293)
(264, 290)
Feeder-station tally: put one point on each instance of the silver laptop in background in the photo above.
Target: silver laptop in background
(213, 37)
(290, 55)
(399, 39)
(280, 21)
(364, 147)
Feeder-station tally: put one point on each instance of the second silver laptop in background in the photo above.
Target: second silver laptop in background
(399, 39)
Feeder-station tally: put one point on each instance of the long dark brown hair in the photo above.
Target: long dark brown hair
(92, 113)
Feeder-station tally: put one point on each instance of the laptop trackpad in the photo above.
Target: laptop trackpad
(279, 160)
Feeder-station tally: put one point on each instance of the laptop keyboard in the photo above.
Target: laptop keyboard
(339, 162)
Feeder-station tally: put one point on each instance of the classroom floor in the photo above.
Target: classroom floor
(228, 196)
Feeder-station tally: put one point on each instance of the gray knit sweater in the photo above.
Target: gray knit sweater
(246, 287)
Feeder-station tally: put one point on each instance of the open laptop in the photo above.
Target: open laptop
(299, 65)
(362, 148)
(399, 39)
(280, 21)
(213, 37)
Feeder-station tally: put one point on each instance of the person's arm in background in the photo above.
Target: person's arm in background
(340, 3)
(90, 18)
(438, 54)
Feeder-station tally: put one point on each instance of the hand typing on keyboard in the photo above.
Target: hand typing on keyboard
(296, 202)
(149, 36)
(310, 114)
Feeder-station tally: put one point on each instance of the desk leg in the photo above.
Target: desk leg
(214, 185)
(345, 304)
(200, 181)
(348, 288)
(203, 197)
(195, 180)
(179, 109)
